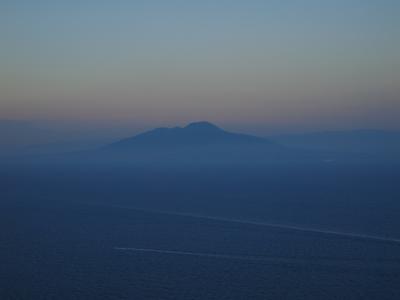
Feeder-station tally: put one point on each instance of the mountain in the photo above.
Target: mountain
(196, 142)
(195, 134)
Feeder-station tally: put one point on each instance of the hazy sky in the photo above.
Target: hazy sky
(277, 64)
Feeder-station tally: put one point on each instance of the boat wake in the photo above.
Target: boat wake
(272, 225)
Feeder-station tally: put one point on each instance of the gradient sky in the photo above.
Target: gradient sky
(277, 65)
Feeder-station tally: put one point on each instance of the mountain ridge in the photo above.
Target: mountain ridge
(194, 134)
(197, 142)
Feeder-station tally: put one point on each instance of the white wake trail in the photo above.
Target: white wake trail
(271, 259)
(201, 254)
(300, 228)
(278, 260)
(272, 225)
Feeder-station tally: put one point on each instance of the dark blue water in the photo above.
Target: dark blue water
(204, 233)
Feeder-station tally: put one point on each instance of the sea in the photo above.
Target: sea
(276, 231)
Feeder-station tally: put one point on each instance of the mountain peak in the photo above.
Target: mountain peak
(202, 125)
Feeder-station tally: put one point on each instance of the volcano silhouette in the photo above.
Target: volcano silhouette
(196, 142)
(195, 134)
